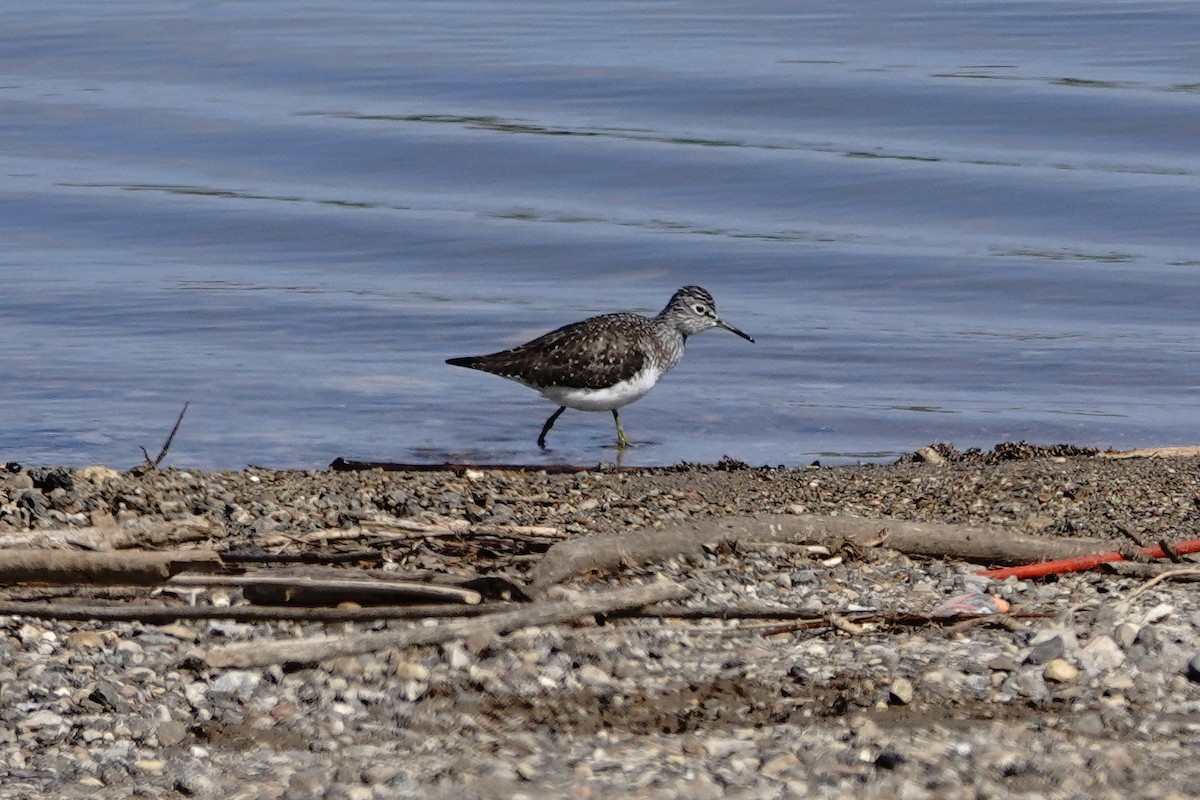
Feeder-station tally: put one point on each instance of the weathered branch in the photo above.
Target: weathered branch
(160, 614)
(139, 533)
(313, 650)
(636, 548)
(303, 590)
(128, 568)
(1154, 452)
(167, 444)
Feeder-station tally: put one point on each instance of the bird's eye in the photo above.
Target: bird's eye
(699, 309)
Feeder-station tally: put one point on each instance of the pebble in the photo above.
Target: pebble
(1125, 634)
(234, 683)
(593, 675)
(85, 639)
(1046, 650)
(1101, 654)
(170, 732)
(901, 691)
(1193, 669)
(776, 765)
(1060, 671)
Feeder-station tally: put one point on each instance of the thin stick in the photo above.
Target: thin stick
(315, 649)
(1175, 573)
(170, 438)
(348, 587)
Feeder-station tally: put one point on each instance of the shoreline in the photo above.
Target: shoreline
(1080, 691)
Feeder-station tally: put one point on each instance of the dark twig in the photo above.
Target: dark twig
(167, 444)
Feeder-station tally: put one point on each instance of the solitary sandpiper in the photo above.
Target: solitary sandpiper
(605, 362)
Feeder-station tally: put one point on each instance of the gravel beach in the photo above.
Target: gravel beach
(1089, 688)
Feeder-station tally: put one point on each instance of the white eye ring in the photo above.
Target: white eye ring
(699, 309)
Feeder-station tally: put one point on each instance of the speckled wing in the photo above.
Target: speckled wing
(593, 354)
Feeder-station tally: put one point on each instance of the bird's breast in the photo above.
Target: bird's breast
(619, 394)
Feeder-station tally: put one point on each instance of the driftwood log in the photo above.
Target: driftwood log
(1187, 451)
(125, 568)
(636, 548)
(140, 533)
(319, 648)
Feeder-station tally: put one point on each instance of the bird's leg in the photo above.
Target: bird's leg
(622, 440)
(549, 424)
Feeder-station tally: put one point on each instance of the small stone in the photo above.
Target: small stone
(1125, 634)
(411, 671)
(900, 692)
(477, 643)
(1045, 651)
(1030, 684)
(196, 694)
(150, 764)
(772, 767)
(457, 656)
(130, 647)
(864, 727)
(1118, 682)
(85, 639)
(1101, 654)
(19, 482)
(929, 455)
(721, 747)
(1038, 522)
(627, 668)
(593, 675)
(177, 631)
(236, 683)
(1060, 671)
(1147, 638)
(1193, 669)
(1159, 613)
(1003, 663)
(170, 732)
(380, 773)
(193, 783)
(526, 771)
(889, 760)
(98, 474)
(41, 719)
(1088, 724)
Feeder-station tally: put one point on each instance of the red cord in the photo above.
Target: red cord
(1080, 563)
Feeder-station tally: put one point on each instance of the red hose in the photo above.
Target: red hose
(1080, 563)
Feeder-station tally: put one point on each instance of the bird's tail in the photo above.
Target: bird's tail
(471, 362)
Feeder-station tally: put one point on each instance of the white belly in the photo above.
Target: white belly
(614, 396)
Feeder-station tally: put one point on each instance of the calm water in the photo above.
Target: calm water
(943, 221)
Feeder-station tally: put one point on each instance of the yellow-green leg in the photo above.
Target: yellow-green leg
(622, 440)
